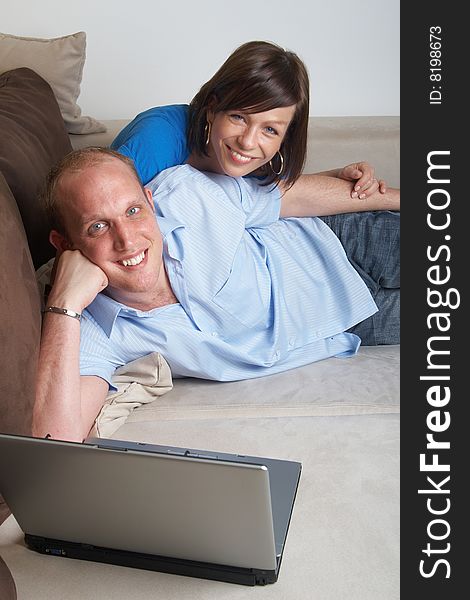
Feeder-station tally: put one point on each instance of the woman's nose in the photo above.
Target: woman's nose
(248, 139)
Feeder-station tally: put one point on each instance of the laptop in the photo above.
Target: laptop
(176, 510)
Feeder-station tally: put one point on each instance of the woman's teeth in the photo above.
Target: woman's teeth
(240, 157)
(131, 262)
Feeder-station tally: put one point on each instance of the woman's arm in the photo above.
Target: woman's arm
(362, 174)
(321, 195)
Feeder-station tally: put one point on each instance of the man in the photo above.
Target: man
(209, 276)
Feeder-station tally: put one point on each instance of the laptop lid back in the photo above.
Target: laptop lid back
(178, 506)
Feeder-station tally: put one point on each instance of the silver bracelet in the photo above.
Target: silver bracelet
(63, 311)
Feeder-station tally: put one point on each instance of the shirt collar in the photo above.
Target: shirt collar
(168, 225)
(105, 311)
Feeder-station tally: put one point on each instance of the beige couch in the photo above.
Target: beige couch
(339, 417)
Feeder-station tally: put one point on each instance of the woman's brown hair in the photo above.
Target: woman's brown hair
(258, 76)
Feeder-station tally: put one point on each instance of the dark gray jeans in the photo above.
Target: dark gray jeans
(371, 241)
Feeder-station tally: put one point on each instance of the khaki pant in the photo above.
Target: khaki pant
(138, 382)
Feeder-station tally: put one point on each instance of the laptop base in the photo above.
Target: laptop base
(175, 566)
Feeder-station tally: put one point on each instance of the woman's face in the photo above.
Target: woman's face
(242, 142)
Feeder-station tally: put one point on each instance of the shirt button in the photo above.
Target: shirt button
(214, 334)
(291, 342)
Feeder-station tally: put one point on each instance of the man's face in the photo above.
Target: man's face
(111, 220)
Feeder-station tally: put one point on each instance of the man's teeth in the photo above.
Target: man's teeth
(131, 262)
(240, 157)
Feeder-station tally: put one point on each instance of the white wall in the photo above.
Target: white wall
(142, 53)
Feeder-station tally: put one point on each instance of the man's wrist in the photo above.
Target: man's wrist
(66, 300)
(59, 310)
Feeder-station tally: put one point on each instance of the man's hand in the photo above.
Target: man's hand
(77, 281)
(364, 176)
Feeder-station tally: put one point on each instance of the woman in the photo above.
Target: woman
(251, 118)
(258, 77)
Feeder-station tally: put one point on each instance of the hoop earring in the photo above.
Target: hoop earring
(207, 132)
(282, 164)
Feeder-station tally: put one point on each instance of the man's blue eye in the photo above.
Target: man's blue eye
(97, 226)
(133, 211)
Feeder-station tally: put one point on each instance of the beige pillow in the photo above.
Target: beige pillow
(60, 62)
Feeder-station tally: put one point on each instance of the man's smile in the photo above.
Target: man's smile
(134, 260)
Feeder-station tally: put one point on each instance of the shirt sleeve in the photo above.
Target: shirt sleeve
(155, 140)
(261, 203)
(96, 356)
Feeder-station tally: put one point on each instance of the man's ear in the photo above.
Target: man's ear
(59, 241)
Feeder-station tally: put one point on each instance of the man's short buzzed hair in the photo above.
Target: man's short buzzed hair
(75, 162)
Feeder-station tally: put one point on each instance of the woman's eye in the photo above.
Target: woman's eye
(271, 130)
(237, 117)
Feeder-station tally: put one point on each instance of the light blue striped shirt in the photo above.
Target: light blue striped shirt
(257, 294)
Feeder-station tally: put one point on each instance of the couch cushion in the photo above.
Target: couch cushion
(344, 538)
(20, 323)
(337, 141)
(367, 383)
(7, 585)
(60, 61)
(33, 139)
